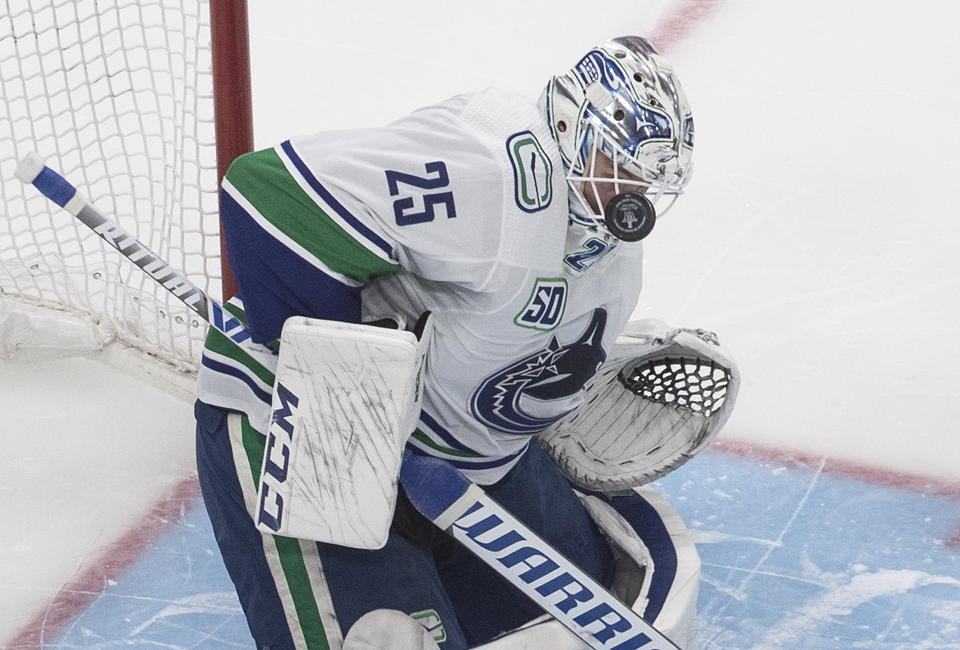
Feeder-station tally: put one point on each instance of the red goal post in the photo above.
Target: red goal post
(233, 103)
(144, 103)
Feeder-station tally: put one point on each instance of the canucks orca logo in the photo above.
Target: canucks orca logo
(531, 394)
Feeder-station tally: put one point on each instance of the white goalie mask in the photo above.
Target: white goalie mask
(623, 102)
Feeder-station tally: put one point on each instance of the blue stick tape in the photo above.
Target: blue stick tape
(54, 186)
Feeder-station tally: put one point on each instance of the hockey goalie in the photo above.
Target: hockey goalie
(458, 286)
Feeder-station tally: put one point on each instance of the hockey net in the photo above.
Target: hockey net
(118, 95)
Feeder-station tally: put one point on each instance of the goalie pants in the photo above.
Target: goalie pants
(302, 594)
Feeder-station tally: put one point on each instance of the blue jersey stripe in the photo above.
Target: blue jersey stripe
(277, 282)
(225, 369)
(445, 435)
(312, 180)
(499, 462)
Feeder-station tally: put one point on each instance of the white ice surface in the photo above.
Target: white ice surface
(88, 451)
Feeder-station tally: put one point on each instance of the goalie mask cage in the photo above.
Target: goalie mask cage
(120, 96)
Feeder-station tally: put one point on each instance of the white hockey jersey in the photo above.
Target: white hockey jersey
(460, 209)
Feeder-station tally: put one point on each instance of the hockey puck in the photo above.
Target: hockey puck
(629, 216)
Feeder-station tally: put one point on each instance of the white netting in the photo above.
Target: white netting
(687, 383)
(117, 95)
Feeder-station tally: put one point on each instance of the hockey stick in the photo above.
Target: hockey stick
(435, 488)
(460, 507)
(59, 190)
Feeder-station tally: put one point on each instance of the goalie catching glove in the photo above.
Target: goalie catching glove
(661, 396)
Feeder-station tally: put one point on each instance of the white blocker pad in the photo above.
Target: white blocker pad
(346, 399)
(660, 397)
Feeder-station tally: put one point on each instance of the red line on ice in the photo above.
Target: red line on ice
(847, 469)
(954, 540)
(77, 594)
(676, 26)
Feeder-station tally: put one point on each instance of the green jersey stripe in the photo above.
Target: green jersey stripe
(288, 553)
(218, 343)
(282, 237)
(310, 184)
(247, 455)
(236, 309)
(254, 443)
(424, 439)
(304, 601)
(261, 184)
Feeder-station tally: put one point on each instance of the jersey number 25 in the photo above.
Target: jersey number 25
(404, 208)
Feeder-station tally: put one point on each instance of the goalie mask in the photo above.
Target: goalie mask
(622, 123)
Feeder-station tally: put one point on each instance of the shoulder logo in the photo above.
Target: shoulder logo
(544, 308)
(532, 172)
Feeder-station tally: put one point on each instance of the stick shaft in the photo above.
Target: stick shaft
(542, 573)
(59, 190)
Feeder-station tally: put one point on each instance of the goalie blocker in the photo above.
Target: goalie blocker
(345, 400)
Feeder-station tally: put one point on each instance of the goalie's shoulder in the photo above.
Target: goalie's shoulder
(455, 187)
(505, 178)
(529, 212)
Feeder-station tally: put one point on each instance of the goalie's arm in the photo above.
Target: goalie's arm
(292, 254)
